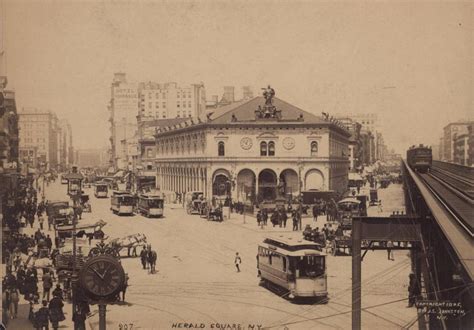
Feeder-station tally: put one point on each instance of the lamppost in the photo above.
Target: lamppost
(74, 190)
(300, 197)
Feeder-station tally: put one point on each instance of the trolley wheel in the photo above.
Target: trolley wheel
(334, 248)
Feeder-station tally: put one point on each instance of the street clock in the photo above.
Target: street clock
(102, 277)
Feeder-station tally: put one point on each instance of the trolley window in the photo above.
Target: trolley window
(155, 203)
(311, 266)
(101, 188)
(126, 200)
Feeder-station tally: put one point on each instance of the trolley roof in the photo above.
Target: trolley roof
(154, 195)
(292, 245)
(122, 193)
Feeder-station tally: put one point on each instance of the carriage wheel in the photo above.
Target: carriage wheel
(188, 210)
(334, 248)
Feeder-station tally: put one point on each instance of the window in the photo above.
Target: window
(164, 114)
(189, 104)
(177, 104)
(263, 148)
(164, 104)
(221, 149)
(149, 153)
(271, 148)
(184, 104)
(314, 148)
(178, 114)
(157, 105)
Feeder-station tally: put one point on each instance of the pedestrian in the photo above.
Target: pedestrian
(47, 283)
(79, 318)
(56, 313)
(49, 243)
(42, 317)
(295, 220)
(284, 217)
(413, 290)
(50, 223)
(389, 251)
(14, 299)
(259, 217)
(143, 257)
(125, 286)
(41, 221)
(58, 292)
(237, 261)
(315, 213)
(265, 217)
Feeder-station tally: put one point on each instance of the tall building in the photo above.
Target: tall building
(149, 100)
(123, 110)
(450, 131)
(355, 143)
(441, 148)
(66, 150)
(45, 137)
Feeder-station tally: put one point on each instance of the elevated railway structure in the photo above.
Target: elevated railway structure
(444, 261)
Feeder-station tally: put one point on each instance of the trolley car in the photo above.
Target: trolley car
(101, 190)
(151, 205)
(294, 265)
(122, 202)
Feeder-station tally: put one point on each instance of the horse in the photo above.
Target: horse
(151, 258)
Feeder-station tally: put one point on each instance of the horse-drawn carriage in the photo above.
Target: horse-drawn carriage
(194, 202)
(130, 242)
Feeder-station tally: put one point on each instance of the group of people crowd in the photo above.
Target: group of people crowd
(26, 278)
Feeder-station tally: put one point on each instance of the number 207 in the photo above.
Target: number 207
(125, 326)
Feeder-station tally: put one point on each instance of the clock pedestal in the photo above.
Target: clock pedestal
(102, 312)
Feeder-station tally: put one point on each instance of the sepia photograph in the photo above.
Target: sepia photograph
(237, 165)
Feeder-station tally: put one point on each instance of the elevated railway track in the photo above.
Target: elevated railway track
(443, 197)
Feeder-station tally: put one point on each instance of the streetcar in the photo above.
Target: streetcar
(122, 202)
(101, 190)
(420, 158)
(151, 204)
(295, 265)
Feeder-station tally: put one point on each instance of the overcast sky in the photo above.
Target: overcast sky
(411, 62)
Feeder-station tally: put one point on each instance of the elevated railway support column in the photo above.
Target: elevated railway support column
(438, 263)
(373, 233)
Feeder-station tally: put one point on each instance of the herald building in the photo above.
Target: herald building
(252, 151)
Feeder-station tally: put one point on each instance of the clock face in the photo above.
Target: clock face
(246, 143)
(288, 143)
(102, 276)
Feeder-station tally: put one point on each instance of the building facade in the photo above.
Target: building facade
(38, 129)
(9, 133)
(252, 151)
(450, 132)
(168, 100)
(149, 101)
(371, 125)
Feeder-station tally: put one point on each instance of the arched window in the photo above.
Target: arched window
(271, 148)
(314, 148)
(221, 149)
(263, 148)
